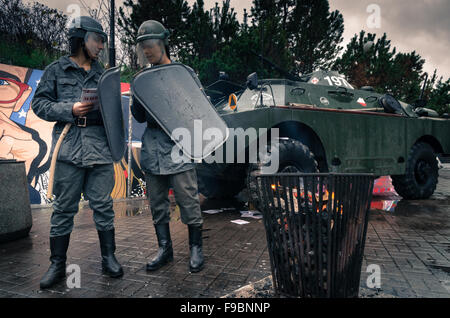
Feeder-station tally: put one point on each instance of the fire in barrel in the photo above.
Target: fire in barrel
(316, 226)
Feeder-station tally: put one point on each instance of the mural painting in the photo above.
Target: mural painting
(26, 137)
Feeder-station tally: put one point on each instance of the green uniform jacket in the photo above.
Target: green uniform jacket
(59, 89)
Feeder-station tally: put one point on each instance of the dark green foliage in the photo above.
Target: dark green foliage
(314, 34)
(300, 36)
(171, 13)
(23, 55)
(381, 67)
(126, 74)
(406, 76)
(366, 65)
(30, 35)
(439, 96)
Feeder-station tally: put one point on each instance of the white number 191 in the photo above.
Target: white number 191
(338, 81)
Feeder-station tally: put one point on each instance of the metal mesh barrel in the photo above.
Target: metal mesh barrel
(316, 227)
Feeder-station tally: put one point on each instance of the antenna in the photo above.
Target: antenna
(424, 86)
(420, 103)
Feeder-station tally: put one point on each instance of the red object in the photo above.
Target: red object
(22, 88)
(383, 185)
(384, 205)
(124, 87)
(362, 102)
(126, 174)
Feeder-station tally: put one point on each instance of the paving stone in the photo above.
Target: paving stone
(404, 292)
(430, 294)
(414, 259)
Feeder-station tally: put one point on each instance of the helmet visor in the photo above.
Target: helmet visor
(150, 52)
(97, 46)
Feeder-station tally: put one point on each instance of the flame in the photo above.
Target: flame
(325, 198)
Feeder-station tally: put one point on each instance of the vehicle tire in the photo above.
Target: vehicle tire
(421, 176)
(294, 157)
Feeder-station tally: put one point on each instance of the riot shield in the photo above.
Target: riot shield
(174, 97)
(110, 99)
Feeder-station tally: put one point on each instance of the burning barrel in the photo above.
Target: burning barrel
(316, 227)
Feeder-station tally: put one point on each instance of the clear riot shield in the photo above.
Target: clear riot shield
(174, 97)
(110, 100)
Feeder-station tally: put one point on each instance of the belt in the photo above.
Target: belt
(85, 122)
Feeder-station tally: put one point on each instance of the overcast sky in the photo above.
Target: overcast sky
(420, 25)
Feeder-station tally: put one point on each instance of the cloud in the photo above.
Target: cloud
(411, 25)
(420, 25)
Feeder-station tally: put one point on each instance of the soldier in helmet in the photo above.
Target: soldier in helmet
(84, 162)
(160, 170)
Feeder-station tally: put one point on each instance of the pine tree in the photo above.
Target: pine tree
(269, 33)
(371, 62)
(437, 95)
(196, 34)
(365, 64)
(315, 34)
(299, 35)
(172, 14)
(31, 35)
(406, 76)
(199, 35)
(209, 36)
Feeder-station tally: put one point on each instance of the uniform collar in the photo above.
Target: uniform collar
(66, 63)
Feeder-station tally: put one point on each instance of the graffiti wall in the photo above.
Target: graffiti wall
(26, 137)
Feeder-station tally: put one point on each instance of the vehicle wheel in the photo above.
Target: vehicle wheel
(294, 157)
(421, 177)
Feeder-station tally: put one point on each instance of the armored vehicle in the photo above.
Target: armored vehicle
(326, 125)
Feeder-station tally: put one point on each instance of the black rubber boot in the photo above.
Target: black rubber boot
(110, 265)
(57, 270)
(195, 245)
(165, 251)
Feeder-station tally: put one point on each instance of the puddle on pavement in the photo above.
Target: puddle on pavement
(129, 208)
(128, 212)
(399, 206)
(422, 215)
(386, 199)
(442, 273)
(231, 205)
(431, 214)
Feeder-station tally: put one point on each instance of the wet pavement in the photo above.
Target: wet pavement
(409, 240)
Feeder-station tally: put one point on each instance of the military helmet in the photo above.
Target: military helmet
(79, 26)
(152, 29)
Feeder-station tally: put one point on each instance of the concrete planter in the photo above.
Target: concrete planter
(15, 209)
